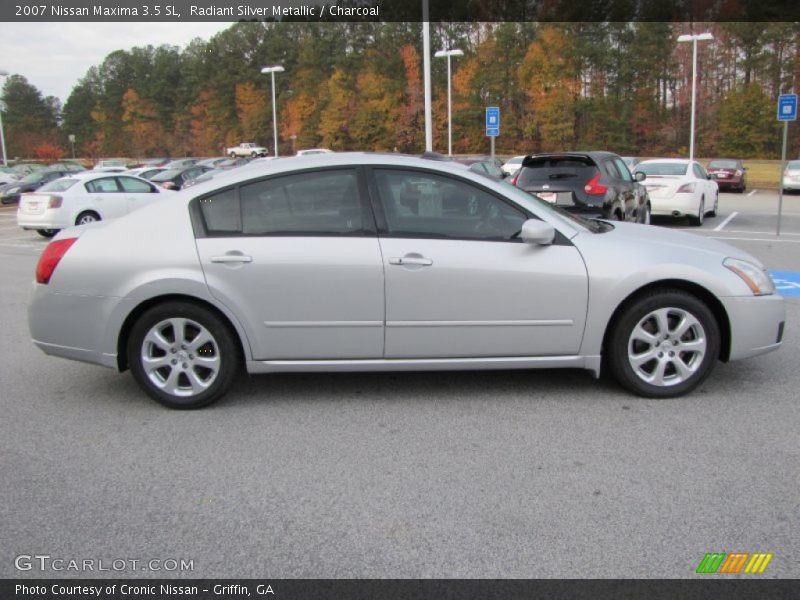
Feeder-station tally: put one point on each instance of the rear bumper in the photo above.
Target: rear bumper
(49, 219)
(756, 324)
(677, 205)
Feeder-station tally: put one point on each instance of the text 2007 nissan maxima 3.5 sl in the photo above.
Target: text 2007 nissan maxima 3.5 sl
(359, 262)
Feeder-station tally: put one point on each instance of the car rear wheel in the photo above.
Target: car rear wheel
(663, 345)
(713, 211)
(701, 214)
(232, 154)
(87, 217)
(645, 217)
(47, 233)
(183, 355)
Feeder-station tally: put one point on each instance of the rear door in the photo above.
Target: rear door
(297, 259)
(624, 182)
(106, 197)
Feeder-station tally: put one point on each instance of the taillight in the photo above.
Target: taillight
(55, 202)
(594, 188)
(514, 178)
(50, 258)
(686, 188)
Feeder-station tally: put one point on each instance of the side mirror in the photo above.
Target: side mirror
(537, 232)
(640, 176)
(708, 175)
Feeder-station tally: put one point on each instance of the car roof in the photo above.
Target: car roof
(254, 170)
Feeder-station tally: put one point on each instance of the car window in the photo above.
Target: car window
(106, 184)
(612, 169)
(135, 186)
(221, 212)
(698, 171)
(662, 169)
(551, 168)
(419, 204)
(59, 185)
(723, 164)
(624, 171)
(325, 202)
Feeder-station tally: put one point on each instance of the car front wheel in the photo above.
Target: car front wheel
(663, 345)
(183, 355)
(701, 214)
(87, 217)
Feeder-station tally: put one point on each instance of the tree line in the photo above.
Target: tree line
(624, 87)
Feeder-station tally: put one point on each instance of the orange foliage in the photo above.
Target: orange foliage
(48, 151)
(251, 109)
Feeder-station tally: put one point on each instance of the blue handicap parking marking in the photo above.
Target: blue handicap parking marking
(787, 282)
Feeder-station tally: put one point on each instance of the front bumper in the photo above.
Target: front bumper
(756, 324)
(791, 183)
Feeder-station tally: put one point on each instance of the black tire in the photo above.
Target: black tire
(253, 154)
(701, 214)
(621, 347)
(47, 233)
(87, 216)
(645, 218)
(224, 346)
(232, 154)
(713, 211)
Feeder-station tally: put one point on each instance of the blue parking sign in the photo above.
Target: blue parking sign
(492, 121)
(787, 107)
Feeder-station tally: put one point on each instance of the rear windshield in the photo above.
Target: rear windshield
(553, 168)
(515, 161)
(722, 164)
(59, 185)
(658, 168)
(165, 175)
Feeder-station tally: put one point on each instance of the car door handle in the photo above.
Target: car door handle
(411, 260)
(231, 258)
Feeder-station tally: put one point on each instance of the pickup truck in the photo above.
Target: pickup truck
(246, 149)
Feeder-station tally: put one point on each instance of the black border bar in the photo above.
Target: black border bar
(701, 588)
(399, 10)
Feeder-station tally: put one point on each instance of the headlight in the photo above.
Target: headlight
(756, 278)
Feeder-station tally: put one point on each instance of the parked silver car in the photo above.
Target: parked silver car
(358, 262)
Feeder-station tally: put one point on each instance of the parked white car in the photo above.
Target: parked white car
(84, 198)
(680, 188)
(512, 165)
(791, 176)
(246, 149)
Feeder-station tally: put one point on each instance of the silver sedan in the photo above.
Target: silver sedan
(358, 262)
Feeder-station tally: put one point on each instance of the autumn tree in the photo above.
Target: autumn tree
(141, 123)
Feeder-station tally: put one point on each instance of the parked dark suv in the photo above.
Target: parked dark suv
(597, 183)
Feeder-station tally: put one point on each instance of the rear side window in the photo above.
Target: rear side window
(321, 203)
(221, 212)
(624, 171)
(134, 186)
(59, 185)
(544, 169)
(325, 202)
(107, 184)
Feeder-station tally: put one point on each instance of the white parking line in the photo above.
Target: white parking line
(721, 226)
(751, 193)
(746, 239)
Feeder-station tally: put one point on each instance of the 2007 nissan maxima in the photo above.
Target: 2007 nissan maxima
(359, 262)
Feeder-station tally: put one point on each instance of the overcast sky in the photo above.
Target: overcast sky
(53, 56)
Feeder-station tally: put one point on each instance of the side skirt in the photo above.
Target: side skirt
(590, 363)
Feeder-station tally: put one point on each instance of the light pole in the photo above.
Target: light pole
(272, 71)
(3, 74)
(694, 38)
(449, 54)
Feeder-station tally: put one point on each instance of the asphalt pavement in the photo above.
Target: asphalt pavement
(475, 475)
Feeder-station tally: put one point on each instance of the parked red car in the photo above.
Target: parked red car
(729, 173)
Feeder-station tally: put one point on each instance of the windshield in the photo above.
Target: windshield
(663, 168)
(575, 221)
(32, 178)
(517, 160)
(59, 185)
(793, 164)
(722, 164)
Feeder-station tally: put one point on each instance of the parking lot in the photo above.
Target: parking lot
(508, 474)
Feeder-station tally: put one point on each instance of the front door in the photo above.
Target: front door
(459, 281)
